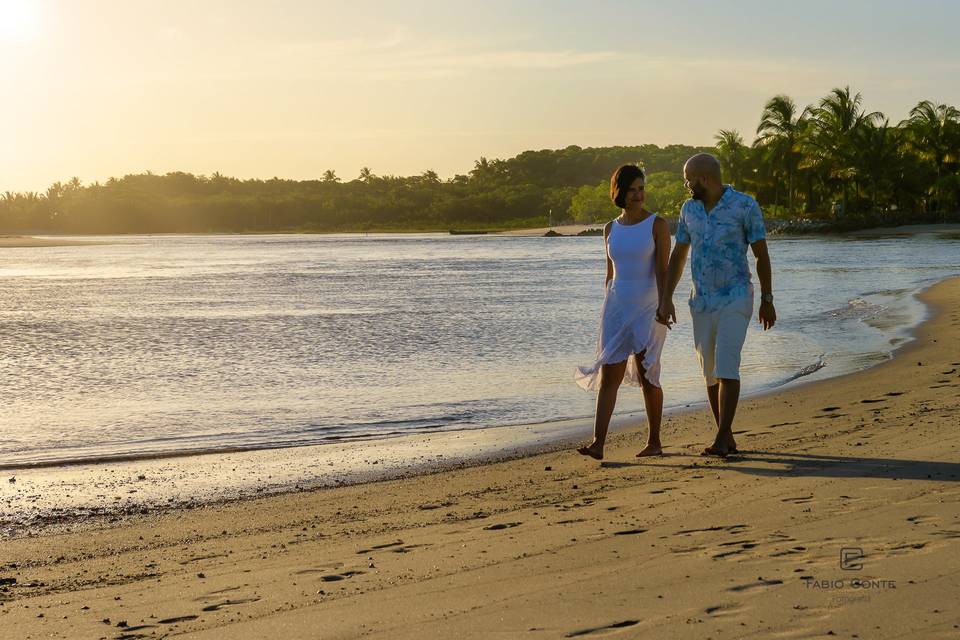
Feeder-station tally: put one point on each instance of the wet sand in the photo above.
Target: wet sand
(556, 545)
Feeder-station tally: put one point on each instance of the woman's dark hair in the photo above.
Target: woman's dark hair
(621, 181)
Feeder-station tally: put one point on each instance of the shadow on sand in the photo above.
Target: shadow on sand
(765, 463)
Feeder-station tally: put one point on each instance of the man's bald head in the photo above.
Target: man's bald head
(702, 165)
(701, 174)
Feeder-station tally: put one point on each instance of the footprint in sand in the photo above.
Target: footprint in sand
(177, 619)
(745, 545)
(629, 532)
(720, 610)
(664, 490)
(378, 547)
(828, 409)
(198, 558)
(872, 400)
(336, 577)
(951, 534)
(301, 572)
(228, 603)
(437, 505)
(792, 551)
(761, 583)
(502, 525)
(900, 549)
(392, 547)
(798, 499)
(733, 528)
(606, 627)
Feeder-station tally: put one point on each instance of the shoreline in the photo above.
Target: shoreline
(565, 230)
(59, 495)
(555, 545)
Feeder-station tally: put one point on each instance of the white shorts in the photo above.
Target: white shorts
(718, 337)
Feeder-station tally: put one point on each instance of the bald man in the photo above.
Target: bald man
(719, 223)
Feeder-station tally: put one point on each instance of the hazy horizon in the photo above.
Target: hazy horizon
(109, 88)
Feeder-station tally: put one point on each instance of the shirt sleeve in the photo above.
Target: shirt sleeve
(683, 234)
(754, 224)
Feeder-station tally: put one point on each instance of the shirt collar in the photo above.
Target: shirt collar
(725, 197)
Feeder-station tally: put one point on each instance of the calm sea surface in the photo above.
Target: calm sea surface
(170, 344)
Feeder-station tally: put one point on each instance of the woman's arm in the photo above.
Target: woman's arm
(606, 234)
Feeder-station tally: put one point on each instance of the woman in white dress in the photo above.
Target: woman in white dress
(631, 339)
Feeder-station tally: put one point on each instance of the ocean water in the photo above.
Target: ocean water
(163, 345)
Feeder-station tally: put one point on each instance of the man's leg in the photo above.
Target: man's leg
(731, 332)
(705, 325)
(728, 392)
(725, 388)
(713, 395)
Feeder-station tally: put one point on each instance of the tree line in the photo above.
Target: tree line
(832, 160)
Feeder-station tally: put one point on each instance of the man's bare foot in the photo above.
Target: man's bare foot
(651, 450)
(716, 450)
(589, 451)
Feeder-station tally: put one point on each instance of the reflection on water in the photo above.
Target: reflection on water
(167, 344)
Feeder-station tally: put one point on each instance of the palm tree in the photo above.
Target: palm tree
(933, 130)
(779, 131)
(366, 175)
(879, 160)
(830, 140)
(733, 154)
(330, 176)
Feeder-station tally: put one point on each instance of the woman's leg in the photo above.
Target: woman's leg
(611, 376)
(653, 402)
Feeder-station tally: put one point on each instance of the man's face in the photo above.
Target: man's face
(694, 185)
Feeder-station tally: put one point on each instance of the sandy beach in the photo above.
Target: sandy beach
(840, 518)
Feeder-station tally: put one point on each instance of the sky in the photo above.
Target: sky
(101, 88)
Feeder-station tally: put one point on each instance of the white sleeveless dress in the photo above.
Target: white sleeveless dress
(628, 322)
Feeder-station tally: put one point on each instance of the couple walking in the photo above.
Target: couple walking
(718, 223)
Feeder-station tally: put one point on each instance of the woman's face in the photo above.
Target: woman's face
(636, 194)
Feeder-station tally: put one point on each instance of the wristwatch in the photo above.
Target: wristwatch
(767, 297)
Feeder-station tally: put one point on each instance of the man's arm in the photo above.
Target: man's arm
(667, 313)
(768, 314)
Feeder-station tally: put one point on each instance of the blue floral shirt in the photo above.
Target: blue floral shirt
(719, 242)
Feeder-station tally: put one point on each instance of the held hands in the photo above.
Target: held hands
(666, 313)
(767, 315)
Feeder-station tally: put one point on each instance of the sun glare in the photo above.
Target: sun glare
(18, 19)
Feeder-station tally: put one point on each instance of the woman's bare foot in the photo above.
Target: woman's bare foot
(590, 451)
(652, 449)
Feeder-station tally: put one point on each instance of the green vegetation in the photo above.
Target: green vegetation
(830, 161)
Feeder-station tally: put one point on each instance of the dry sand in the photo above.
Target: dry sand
(555, 545)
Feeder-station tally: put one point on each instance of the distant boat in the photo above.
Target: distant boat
(464, 232)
